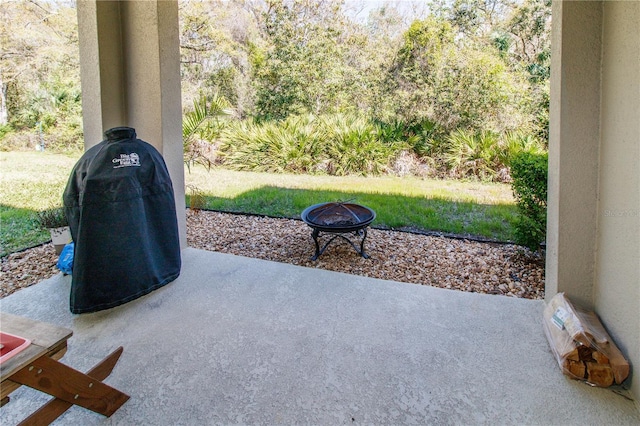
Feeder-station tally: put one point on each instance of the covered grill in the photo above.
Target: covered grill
(121, 210)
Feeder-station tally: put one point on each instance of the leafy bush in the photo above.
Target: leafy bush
(515, 143)
(529, 173)
(486, 155)
(54, 217)
(334, 144)
(4, 130)
(201, 126)
(288, 146)
(352, 146)
(473, 155)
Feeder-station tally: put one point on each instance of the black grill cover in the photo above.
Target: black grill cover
(120, 205)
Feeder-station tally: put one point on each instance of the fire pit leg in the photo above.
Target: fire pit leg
(361, 233)
(315, 234)
(362, 253)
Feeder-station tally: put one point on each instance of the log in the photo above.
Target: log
(585, 352)
(577, 369)
(574, 355)
(560, 341)
(576, 328)
(599, 374)
(600, 358)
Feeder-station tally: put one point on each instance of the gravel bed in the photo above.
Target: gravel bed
(400, 256)
(28, 267)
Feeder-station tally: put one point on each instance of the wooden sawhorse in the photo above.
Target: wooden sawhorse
(37, 366)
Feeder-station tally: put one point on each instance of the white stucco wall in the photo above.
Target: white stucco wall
(101, 69)
(593, 227)
(574, 140)
(151, 49)
(617, 281)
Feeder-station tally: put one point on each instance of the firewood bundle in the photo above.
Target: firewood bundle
(581, 345)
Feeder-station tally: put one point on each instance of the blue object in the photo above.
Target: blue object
(65, 261)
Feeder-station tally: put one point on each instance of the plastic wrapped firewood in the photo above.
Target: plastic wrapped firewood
(583, 348)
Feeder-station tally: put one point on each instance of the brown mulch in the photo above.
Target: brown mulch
(28, 267)
(444, 262)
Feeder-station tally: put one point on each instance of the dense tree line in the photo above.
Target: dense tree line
(39, 74)
(448, 77)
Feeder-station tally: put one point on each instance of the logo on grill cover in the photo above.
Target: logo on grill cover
(126, 160)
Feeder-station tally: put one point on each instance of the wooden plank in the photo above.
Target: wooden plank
(9, 386)
(46, 340)
(56, 407)
(62, 381)
(40, 333)
(9, 367)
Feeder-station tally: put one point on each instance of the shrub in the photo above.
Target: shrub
(473, 155)
(353, 146)
(54, 217)
(529, 174)
(288, 146)
(4, 130)
(202, 126)
(334, 144)
(517, 142)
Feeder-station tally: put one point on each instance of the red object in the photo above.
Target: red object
(11, 345)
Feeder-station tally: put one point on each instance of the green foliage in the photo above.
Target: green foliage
(288, 146)
(514, 143)
(214, 45)
(455, 84)
(486, 155)
(40, 73)
(350, 144)
(399, 131)
(5, 129)
(338, 144)
(473, 155)
(474, 65)
(529, 172)
(53, 217)
(201, 126)
(300, 69)
(353, 146)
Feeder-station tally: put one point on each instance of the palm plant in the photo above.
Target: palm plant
(473, 155)
(353, 146)
(517, 142)
(201, 126)
(252, 146)
(288, 146)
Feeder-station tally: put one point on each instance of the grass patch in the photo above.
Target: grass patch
(473, 208)
(34, 181)
(29, 182)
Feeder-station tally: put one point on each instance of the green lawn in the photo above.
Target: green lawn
(34, 181)
(481, 209)
(29, 182)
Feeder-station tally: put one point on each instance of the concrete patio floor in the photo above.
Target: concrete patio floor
(243, 341)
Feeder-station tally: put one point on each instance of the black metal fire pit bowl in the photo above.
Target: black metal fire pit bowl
(341, 219)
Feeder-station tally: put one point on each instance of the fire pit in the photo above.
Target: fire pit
(341, 219)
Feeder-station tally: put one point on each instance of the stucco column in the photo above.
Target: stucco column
(130, 71)
(574, 138)
(617, 284)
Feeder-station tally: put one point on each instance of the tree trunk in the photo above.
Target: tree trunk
(4, 113)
